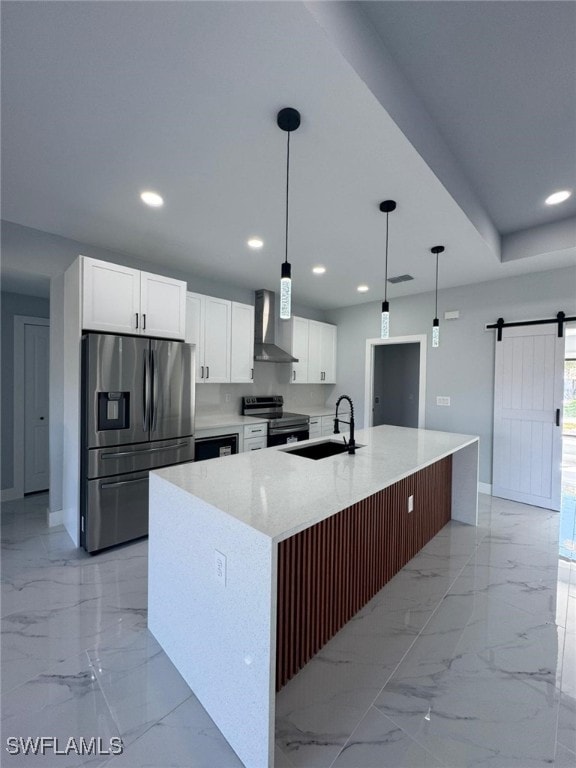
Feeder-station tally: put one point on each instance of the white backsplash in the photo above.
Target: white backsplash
(269, 379)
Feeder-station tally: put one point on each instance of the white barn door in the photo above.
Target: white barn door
(528, 391)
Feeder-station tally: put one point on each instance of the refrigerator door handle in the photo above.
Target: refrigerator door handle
(154, 380)
(146, 392)
(142, 451)
(124, 482)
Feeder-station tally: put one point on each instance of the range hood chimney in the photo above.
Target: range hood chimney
(265, 349)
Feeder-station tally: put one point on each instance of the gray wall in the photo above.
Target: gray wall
(396, 384)
(12, 304)
(463, 366)
(31, 258)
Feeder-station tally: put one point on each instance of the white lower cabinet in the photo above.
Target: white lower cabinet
(254, 444)
(315, 426)
(255, 437)
(327, 426)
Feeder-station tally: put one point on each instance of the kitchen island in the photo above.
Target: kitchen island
(256, 560)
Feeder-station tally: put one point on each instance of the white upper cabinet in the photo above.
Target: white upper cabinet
(223, 332)
(163, 306)
(208, 327)
(195, 330)
(314, 351)
(217, 325)
(242, 343)
(328, 354)
(314, 344)
(299, 349)
(110, 297)
(117, 299)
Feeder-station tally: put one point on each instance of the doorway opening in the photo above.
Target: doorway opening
(395, 382)
(31, 425)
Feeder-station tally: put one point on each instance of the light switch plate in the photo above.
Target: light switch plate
(452, 314)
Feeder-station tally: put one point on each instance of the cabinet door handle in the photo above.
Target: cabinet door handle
(251, 373)
(293, 375)
(207, 372)
(201, 371)
(557, 417)
(136, 320)
(144, 322)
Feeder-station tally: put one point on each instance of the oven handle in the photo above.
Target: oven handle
(288, 430)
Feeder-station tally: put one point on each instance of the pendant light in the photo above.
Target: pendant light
(387, 206)
(437, 250)
(288, 120)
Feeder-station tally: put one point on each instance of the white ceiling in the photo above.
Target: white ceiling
(102, 100)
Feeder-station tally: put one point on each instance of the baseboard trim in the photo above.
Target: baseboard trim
(55, 518)
(10, 494)
(485, 488)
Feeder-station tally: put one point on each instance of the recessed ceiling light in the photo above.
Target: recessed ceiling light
(362, 288)
(319, 270)
(558, 197)
(255, 242)
(153, 199)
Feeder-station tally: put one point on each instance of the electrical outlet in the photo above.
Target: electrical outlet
(220, 567)
(442, 400)
(410, 503)
(227, 398)
(452, 314)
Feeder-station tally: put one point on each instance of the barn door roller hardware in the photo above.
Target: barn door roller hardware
(560, 319)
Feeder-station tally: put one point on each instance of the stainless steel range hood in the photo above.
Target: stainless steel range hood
(265, 349)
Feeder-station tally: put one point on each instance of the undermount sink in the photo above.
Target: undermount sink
(320, 450)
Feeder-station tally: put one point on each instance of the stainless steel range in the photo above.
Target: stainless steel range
(283, 427)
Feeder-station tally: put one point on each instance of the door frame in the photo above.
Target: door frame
(20, 321)
(371, 344)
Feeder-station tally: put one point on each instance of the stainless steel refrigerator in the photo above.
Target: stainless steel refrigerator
(137, 415)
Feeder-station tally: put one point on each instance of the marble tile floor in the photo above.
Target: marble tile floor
(466, 658)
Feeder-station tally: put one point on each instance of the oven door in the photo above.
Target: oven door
(287, 435)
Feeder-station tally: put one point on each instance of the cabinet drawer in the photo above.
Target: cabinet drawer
(255, 430)
(254, 444)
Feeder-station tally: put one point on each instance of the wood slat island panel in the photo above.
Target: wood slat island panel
(329, 571)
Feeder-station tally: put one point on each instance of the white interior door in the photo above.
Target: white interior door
(527, 442)
(36, 371)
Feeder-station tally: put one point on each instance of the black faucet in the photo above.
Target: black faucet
(351, 441)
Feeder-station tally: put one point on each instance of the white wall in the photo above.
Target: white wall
(56, 445)
(463, 366)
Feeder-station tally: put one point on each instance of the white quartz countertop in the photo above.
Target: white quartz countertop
(280, 494)
(217, 420)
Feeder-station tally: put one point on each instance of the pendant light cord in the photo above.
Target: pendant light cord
(436, 309)
(386, 262)
(287, 188)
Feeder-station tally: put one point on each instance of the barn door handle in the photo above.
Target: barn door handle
(557, 417)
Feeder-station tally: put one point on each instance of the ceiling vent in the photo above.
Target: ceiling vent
(400, 279)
